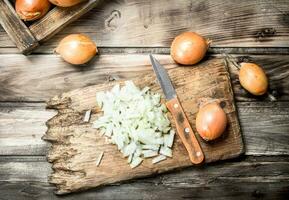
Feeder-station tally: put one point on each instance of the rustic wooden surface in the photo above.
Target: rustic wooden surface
(147, 23)
(25, 79)
(58, 18)
(126, 32)
(18, 31)
(70, 136)
(27, 37)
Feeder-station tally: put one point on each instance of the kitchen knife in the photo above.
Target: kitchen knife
(183, 126)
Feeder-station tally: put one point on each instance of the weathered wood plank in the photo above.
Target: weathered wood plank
(261, 177)
(166, 50)
(22, 126)
(28, 190)
(58, 18)
(38, 78)
(17, 30)
(248, 23)
(264, 126)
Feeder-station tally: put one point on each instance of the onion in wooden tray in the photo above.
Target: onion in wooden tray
(30, 10)
(135, 120)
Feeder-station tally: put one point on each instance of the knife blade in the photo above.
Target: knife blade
(173, 104)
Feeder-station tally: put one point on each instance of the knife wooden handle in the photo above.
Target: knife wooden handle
(185, 131)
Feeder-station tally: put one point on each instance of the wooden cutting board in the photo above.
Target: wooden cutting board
(76, 145)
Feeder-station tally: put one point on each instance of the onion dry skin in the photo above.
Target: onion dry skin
(76, 49)
(189, 48)
(211, 121)
(253, 78)
(29, 10)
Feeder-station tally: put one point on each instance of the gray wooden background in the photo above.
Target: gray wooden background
(126, 31)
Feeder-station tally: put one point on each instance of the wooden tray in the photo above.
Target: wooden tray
(27, 38)
(76, 145)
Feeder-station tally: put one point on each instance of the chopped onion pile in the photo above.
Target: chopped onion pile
(136, 121)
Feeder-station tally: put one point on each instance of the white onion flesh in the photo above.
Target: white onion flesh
(159, 159)
(154, 147)
(136, 162)
(166, 151)
(99, 158)
(169, 139)
(149, 153)
(87, 116)
(135, 121)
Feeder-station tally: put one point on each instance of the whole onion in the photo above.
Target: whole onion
(76, 49)
(189, 48)
(66, 3)
(211, 121)
(253, 78)
(30, 10)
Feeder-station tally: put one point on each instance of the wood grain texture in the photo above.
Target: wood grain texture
(260, 122)
(76, 145)
(21, 125)
(258, 177)
(249, 23)
(16, 29)
(38, 78)
(58, 18)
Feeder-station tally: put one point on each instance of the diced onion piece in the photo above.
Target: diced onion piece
(100, 97)
(154, 147)
(137, 152)
(129, 149)
(169, 139)
(99, 158)
(159, 159)
(87, 116)
(102, 131)
(158, 141)
(166, 151)
(149, 153)
(136, 161)
(108, 131)
(129, 158)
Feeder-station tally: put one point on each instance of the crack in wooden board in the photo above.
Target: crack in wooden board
(76, 145)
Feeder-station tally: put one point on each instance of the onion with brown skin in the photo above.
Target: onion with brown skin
(211, 121)
(253, 78)
(29, 10)
(189, 48)
(66, 3)
(76, 49)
